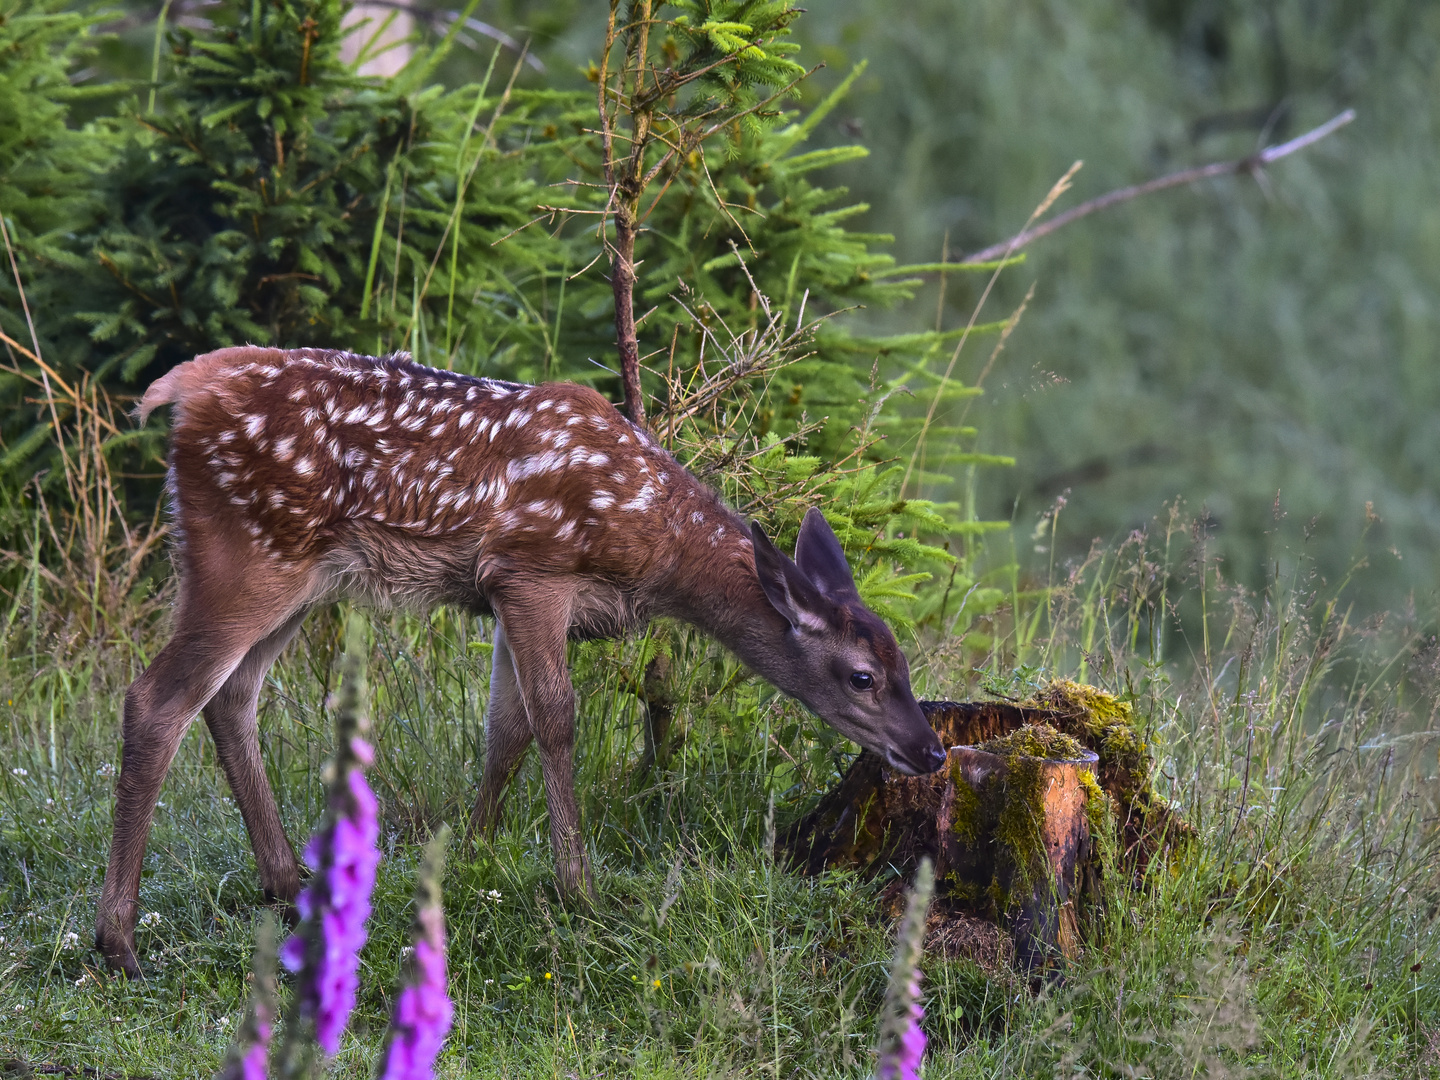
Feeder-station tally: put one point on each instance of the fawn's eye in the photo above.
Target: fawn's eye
(862, 680)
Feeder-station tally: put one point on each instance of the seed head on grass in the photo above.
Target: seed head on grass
(423, 1011)
(325, 950)
(902, 1042)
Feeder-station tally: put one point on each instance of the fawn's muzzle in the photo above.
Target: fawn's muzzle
(917, 760)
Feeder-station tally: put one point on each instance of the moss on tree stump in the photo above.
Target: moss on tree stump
(1039, 799)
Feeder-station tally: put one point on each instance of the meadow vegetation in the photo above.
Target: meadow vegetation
(1297, 936)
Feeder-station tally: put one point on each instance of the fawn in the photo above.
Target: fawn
(299, 477)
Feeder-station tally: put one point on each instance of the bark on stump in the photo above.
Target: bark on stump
(1032, 891)
(880, 822)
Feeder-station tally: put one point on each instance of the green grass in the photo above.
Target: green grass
(1298, 938)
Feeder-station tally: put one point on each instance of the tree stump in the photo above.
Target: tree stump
(1028, 882)
(1017, 838)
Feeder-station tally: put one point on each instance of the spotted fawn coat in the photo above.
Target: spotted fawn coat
(299, 477)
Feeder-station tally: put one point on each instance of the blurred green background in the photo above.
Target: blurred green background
(1261, 350)
(1231, 344)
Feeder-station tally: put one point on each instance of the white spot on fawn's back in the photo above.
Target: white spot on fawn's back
(534, 465)
(642, 500)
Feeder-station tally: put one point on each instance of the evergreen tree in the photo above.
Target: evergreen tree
(273, 196)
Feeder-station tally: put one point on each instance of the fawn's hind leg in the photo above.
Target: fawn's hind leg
(235, 729)
(216, 627)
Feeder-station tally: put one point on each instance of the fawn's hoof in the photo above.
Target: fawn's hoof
(287, 911)
(117, 947)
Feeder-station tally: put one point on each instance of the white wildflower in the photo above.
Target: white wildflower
(494, 894)
(70, 942)
(17, 771)
(150, 919)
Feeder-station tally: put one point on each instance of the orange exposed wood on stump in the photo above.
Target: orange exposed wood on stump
(879, 822)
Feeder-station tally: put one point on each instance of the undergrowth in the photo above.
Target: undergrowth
(1297, 938)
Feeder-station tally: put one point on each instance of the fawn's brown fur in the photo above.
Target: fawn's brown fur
(302, 476)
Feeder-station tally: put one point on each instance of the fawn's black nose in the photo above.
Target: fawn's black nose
(918, 760)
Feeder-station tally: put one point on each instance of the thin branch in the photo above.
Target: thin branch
(1252, 164)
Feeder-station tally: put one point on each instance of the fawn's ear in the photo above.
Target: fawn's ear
(820, 558)
(787, 588)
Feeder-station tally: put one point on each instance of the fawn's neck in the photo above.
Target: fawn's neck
(716, 590)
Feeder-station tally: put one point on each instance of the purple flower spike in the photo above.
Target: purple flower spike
(256, 1061)
(334, 907)
(423, 1011)
(902, 1042)
(904, 1063)
(249, 1056)
(344, 857)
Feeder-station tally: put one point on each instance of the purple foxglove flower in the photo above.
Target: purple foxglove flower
(344, 857)
(902, 1042)
(255, 1063)
(423, 1011)
(334, 907)
(904, 1062)
(249, 1056)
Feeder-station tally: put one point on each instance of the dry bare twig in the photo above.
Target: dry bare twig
(1253, 164)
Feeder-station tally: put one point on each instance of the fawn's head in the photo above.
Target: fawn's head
(841, 659)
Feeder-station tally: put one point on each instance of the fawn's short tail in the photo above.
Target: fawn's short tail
(163, 391)
(204, 371)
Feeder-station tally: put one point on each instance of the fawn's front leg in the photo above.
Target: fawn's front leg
(507, 736)
(536, 620)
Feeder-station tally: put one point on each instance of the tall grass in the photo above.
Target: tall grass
(1296, 938)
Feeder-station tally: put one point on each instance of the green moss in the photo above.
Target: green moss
(1008, 809)
(965, 892)
(1100, 815)
(1107, 723)
(1020, 828)
(1020, 825)
(966, 813)
(1036, 740)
